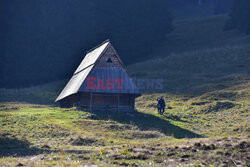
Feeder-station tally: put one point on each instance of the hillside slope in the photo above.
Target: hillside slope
(196, 53)
(199, 34)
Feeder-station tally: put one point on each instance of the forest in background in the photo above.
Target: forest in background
(44, 41)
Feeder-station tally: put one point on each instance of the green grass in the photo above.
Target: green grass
(64, 137)
(61, 137)
(185, 71)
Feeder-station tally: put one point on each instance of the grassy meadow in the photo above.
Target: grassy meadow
(206, 123)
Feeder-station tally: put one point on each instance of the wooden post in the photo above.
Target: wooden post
(91, 99)
(118, 101)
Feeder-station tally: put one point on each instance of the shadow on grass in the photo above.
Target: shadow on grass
(173, 117)
(12, 147)
(145, 122)
(17, 148)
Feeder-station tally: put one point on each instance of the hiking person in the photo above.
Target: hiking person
(161, 105)
(158, 106)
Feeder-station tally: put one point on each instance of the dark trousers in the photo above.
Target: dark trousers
(161, 110)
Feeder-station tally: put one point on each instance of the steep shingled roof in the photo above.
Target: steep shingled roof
(83, 70)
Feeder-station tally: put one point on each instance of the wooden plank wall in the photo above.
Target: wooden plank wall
(102, 62)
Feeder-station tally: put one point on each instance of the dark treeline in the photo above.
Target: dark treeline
(240, 16)
(218, 6)
(45, 40)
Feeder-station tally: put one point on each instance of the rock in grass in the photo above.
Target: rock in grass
(45, 146)
(20, 164)
(243, 145)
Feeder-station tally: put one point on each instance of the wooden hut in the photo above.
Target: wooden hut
(101, 82)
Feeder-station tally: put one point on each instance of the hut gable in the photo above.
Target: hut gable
(109, 58)
(101, 71)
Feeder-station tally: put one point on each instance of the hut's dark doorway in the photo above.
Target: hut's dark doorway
(105, 99)
(119, 102)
